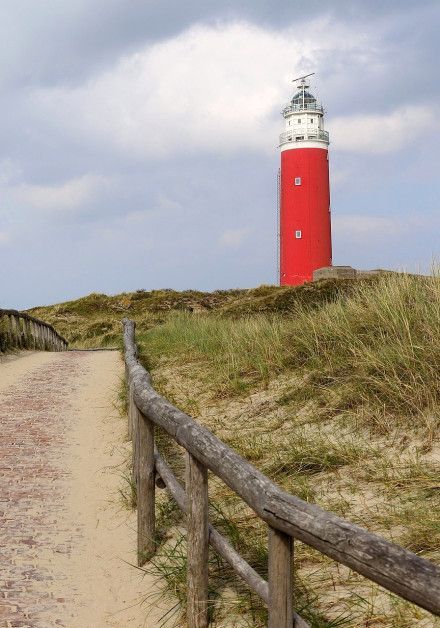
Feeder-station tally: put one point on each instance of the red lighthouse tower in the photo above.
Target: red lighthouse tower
(304, 190)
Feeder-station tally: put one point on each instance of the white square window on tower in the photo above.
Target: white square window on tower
(297, 180)
(298, 234)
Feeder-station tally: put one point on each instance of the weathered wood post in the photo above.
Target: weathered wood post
(197, 542)
(12, 341)
(19, 333)
(134, 432)
(145, 486)
(2, 333)
(130, 409)
(38, 338)
(14, 334)
(25, 341)
(280, 579)
(9, 335)
(37, 335)
(30, 334)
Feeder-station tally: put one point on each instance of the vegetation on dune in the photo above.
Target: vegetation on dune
(331, 389)
(95, 320)
(379, 347)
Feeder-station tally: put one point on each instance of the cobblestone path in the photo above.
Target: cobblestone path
(65, 540)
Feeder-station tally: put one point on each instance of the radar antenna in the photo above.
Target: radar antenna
(301, 78)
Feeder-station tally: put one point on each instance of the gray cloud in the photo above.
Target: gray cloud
(50, 43)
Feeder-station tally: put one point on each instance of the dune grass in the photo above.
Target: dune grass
(331, 389)
(379, 347)
(339, 404)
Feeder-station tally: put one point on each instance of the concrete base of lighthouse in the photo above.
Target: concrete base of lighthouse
(334, 272)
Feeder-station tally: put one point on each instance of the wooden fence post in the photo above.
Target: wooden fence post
(30, 334)
(39, 337)
(26, 343)
(134, 433)
(145, 486)
(9, 336)
(130, 409)
(37, 334)
(13, 333)
(197, 542)
(280, 579)
(19, 335)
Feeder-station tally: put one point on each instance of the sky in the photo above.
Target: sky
(139, 140)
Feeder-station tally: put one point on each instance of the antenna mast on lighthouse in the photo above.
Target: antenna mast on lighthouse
(302, 86)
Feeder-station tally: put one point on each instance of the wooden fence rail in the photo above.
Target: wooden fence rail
(20, 330)
(287, 516)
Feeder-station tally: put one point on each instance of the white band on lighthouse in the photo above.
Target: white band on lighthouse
(304, 144)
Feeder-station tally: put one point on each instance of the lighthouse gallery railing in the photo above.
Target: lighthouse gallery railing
(308, 106)
(289, 136)
(287, 516)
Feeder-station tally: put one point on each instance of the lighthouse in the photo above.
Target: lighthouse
(304, 189)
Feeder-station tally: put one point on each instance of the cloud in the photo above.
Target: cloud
(233, 238)
(46, 42)
(165, 203)
(215, 89)
(9, 171)
(339, 176)
(384, 133)
(5, 237)
(362, 226)
(68, 195)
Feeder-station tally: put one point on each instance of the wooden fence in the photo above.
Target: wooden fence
(287, 516)
(22, 331)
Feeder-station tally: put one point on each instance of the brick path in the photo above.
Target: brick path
(66, 544)
(34, 426)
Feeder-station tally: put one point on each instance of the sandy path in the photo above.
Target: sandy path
(66, 542)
